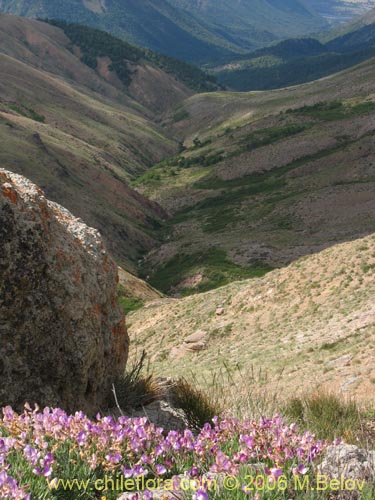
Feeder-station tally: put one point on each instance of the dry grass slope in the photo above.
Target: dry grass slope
(309, 325)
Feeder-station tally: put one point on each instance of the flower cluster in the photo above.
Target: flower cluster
(43, 444)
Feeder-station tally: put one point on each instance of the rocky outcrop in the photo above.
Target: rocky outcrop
(195, 342)
(349, 462)
(63, 339)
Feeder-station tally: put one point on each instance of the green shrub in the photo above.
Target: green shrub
(180, 114)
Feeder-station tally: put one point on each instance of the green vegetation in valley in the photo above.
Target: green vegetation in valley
(334, 110)
(216, 269)
(25, 111)
(218, 211)
(261, 182)
(95, 43)
(250, 142)
(169, 167)
(128, 303)
(180, 114)
(266, 189)
(267, 136)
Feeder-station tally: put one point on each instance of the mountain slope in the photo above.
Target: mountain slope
(266, 177)
(80, 135)
(306, 326)
(150, 23)
(184, 29)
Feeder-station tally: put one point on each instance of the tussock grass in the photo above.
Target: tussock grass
(239, 392)
(138, 387)
(326, 414)
(200, 407)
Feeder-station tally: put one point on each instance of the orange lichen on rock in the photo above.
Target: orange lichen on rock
(121, 340)
(10, 193)
(97, 309)
(77, 275)
(105, 264)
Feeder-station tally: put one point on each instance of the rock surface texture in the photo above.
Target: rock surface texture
(349, 462)
(63, 339)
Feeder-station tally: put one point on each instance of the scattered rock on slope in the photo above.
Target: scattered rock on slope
(63, 339)
(193, 343)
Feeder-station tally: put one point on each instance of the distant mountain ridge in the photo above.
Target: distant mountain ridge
(185, 29)
(296, 61)
(340, 10)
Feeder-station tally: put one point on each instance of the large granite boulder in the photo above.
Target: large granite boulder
(63, 339)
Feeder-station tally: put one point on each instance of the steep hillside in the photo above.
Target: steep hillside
(266, 177)
(306, 326)
(297, 61)
(137, 67)
(358, 39)
(82, 134)
(184, 29)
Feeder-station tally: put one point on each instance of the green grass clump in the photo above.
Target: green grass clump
(325, 414)
(130, 304)
(368, 267)
(330, 346)
(127, 302)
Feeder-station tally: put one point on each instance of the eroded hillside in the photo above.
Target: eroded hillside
(79, 132)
